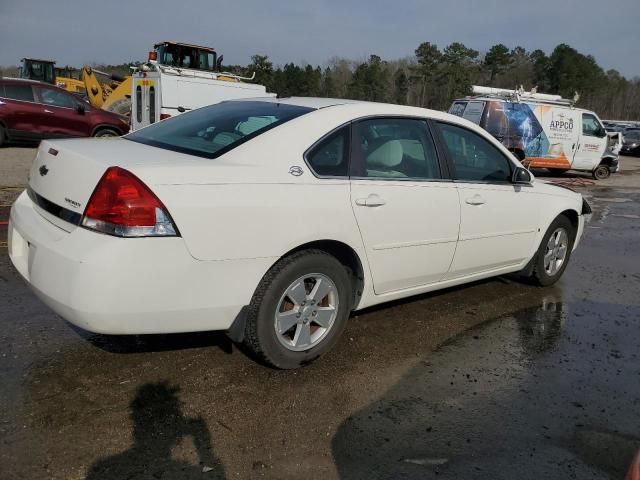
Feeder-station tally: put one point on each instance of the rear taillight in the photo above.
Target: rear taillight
(164, 116)
(123, 206)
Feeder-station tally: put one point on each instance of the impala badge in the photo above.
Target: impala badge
(43, 170)
(296, 171)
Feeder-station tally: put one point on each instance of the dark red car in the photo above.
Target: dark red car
(31, 111)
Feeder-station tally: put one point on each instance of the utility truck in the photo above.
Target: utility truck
(542, 130)
(179, 77)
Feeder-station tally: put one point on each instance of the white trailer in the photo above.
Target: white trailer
(179, 77)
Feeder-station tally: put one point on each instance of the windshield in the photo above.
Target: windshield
(214, 130)
(632, 136)
(186, 57)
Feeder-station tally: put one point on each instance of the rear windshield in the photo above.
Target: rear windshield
(214, 130)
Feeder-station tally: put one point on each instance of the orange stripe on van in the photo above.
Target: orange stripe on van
(560, 162)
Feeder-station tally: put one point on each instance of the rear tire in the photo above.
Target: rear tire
(554, 252)
(3, 136)
(601, 172)
(106, 132)
(291, 320)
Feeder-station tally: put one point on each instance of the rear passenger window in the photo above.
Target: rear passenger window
(394, 148)
(330, 157)
(56, 98)
(18, 92)
(475, 159)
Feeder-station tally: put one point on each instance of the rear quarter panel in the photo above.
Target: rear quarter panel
(245, 204)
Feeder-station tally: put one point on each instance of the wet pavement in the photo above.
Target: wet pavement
(499, 379)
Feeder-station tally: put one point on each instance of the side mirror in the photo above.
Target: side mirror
(522, 176)
(80, 109)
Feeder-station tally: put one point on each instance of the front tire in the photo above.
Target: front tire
(554, 252)
(601, 172)
(299, 309)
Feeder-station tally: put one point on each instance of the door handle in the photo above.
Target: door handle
(372, 200)
(476, 200)
(47, 111)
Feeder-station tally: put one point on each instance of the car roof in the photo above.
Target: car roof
(188, 45)
(310, 102)
(20, 80)
(376, 108)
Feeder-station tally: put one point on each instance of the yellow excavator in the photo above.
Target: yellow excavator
(113, 95)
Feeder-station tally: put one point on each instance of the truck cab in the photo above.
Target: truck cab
(38, 69)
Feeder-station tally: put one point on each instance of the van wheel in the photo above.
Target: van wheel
(299, 309)
(601, 172)
(554, 252)
(106, 132)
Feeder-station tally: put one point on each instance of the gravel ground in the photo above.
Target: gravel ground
(496, 380)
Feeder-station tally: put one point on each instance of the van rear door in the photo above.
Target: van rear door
(592, 143)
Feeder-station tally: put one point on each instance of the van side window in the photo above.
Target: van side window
(591, 126)
(330, 157)
(474, 158)
(457, 108)
(474, 112)
(18, 92)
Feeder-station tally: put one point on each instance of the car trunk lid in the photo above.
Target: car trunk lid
(65, 173)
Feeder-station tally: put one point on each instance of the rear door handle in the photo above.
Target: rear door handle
(47, 111)
(476, 200)
(372, 200)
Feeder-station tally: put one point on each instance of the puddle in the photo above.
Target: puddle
(612, 200)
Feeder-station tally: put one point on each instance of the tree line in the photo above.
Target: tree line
(433, 78)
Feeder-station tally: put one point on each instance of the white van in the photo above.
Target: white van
(543, 131)
(180, 77)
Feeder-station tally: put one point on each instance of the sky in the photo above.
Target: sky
(75, 32)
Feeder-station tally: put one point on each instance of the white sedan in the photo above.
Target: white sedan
(274, 219)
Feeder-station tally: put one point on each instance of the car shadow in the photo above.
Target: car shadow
(126, 344)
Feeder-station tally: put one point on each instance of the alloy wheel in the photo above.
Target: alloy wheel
(556, 251)
(306, 312)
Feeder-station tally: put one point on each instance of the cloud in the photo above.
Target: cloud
(75, 32)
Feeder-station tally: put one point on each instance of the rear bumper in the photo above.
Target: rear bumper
(115, 285)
